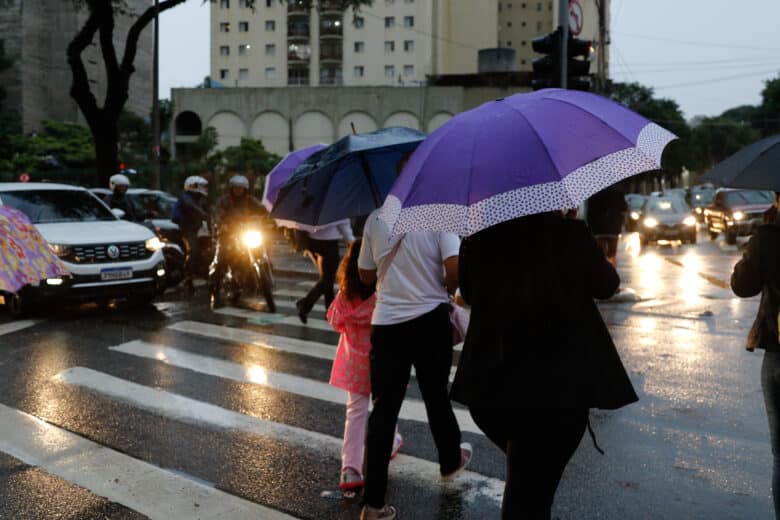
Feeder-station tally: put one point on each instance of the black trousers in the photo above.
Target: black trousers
(425, 343)
(193, 252)
(538, 444)
(325, 255)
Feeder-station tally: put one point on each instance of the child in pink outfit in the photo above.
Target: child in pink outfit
(350, 314)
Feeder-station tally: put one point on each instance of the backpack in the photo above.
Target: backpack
(178, 212)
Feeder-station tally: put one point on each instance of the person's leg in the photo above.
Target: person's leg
(492, 423)
(539, 447)
(770, 383)
(390, 370)
(330, 265)
(354, 432)
(306, 303)
(430, 342)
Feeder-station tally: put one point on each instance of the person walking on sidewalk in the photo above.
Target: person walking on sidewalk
(322, 246)
(606, 215)
(759, 273)
(410, 327)
(537, 354)
(350, 315)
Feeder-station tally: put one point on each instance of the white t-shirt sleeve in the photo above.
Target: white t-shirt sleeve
(449, 245)
(366, 256)
(345, 228)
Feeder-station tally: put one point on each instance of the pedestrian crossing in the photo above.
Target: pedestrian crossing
(168, 374)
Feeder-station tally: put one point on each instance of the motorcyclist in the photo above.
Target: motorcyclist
(232, 209)
(118, 184)
(192, 214)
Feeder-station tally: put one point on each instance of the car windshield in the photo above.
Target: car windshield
(668, 206)
(152, 204)
(48, 206)
(635, 202)
(702, 197)
(749, 197)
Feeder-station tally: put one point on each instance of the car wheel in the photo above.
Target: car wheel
(712, 235)
(17, 304)
(693, 238)
(731, 237)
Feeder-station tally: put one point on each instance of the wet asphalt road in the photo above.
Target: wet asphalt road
(231, 402)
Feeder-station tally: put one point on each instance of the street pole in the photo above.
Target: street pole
(602, 57)
(156, 102)
(563, 25)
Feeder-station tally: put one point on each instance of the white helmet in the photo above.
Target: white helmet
(190, 183)
(201, 185)
(239, 181)
(118, 180)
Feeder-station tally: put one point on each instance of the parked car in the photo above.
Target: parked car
(635, 202)
(108, 258)
(737, 212)
(667, 218)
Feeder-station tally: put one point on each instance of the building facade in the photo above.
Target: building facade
(35, 36)
(392, 42)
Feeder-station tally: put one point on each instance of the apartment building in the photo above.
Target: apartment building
(392, 42)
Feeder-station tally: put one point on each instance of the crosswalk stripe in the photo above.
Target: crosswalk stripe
(135, 484)
(473, 486)
(272, 319)
(290, 293)
(412, 409)
(14, 326)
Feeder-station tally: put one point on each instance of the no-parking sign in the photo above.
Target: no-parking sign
(24, 178)
(576, 17)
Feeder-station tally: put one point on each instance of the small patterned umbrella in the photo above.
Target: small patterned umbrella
(25, 257)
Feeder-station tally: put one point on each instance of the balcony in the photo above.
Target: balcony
(298, 32)
(331, 6)
(331, 30)
(297, 58)
(296, 8)
(330, 56)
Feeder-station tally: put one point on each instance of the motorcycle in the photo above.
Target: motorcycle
(173, 248)
(248, 270)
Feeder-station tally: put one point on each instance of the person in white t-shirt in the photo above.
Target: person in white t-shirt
(410, 327)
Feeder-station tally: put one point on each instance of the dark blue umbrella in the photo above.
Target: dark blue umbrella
(753, 167)
(350, 178)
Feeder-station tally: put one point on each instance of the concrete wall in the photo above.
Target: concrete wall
(290, 118)
(11, 79)
(464, 27)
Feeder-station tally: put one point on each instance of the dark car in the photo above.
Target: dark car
(736, 213)
(699, 198)
(667, 218)
(635, 202)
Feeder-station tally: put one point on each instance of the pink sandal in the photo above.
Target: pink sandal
(397, 445)
(351, 479)
(387, 512)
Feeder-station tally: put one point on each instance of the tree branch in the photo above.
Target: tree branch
(107, 39)
(80, 90)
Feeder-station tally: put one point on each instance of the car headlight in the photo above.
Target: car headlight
(689, 221)
(738, 215)
(634, 215)
(60, 250)
(698, 210)
(650, 222)
(252, 239)
(153, 244)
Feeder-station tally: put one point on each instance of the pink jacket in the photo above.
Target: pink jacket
(351, 369)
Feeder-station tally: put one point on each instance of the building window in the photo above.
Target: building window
(390, 71)
(390, 46)
(360, 46)
(509, 44)
(522, 43)
(359, 22)
(539, 6)
(389, 22)
(224, 74)
(522, 24)
(224, 27)
(243, 26)
(408, 70)
(408, 1)
(224, 4)
(269, 3)
(242, 4)
(270, 25)
(522, 62)
(359, 71)
(389, 2)
(509, 5)
(224, 50)
(270, 73)
(243, 50)
(522, 5)
(538, 26)
(549, 6)
(408, 21)
(243, 74)
(509, 24)
(408, 45)
(298, 76)
(270, 49)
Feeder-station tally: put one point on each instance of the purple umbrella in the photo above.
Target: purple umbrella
(516, 156)
(283, 171)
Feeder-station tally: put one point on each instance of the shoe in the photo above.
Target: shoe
(466, 451)
(386, 512)
(302, 314)
(351, 479)
(397, 445)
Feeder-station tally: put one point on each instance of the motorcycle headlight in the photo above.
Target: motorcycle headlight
(252, 239)
(60, 249)
(699, 211)
(650, 222)
(634, 215)
(738, 215)
(153, 244)
(689, 221)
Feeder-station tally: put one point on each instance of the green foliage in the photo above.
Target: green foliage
(135, 138)
(767, 117)
(714, 139)
(59, 144)
(250, 157)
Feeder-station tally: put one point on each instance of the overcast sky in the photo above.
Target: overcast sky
(706, 55)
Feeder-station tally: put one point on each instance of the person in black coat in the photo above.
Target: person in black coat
(537, 354)
(606, 215)
(758, 272)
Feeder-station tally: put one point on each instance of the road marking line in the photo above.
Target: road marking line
(290, 293)
(311, 323)
(178, 407)
(412, 409)
(714, 281)
(138, 485)
(14, 326)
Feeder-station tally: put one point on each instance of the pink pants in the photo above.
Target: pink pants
(355, 432)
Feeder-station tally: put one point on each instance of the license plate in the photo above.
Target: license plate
(118, 273)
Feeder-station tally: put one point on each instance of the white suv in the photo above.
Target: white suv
(107, 257)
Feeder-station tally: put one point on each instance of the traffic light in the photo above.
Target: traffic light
(577, 69)
(547, 69)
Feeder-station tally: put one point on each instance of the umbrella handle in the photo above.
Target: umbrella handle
(354, 130)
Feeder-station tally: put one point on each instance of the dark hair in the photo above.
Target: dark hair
(349, 278)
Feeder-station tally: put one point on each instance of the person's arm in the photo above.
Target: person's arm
(345, 228)
(601, 274)
(451, 274)
(193, 208)
(463, 275)
(366, 266)
(747, 279)
(449, 248)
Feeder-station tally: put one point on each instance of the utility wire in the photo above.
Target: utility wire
(694, 43)
(722, 78)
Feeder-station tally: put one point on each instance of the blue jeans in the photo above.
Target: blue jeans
(770, 382)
